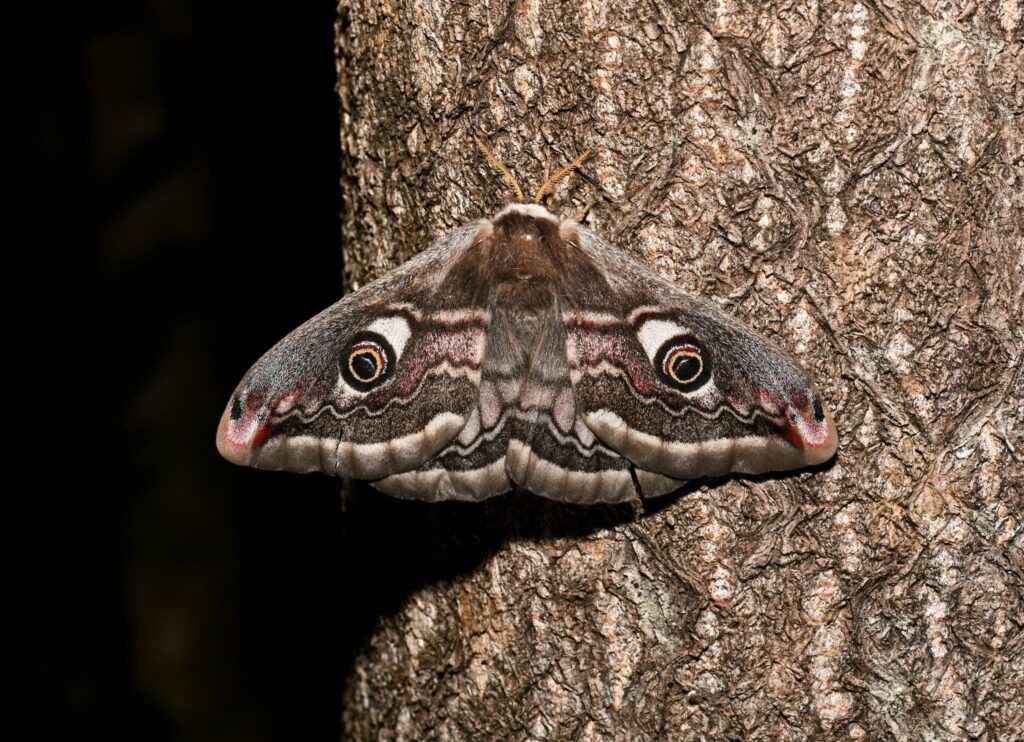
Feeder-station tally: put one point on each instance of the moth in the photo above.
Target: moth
(525, 350)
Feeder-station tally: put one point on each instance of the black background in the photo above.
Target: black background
(180, 207)
(179, 214)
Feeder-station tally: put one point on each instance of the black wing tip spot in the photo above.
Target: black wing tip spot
(236, 408)
(819, 411)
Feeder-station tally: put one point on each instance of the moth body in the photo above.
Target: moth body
(525, 351)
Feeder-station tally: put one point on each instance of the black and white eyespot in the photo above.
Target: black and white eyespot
(683, 363)
(680, 360)
(371, 355)
(367, 362)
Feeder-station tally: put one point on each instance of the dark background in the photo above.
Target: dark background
(179, 214)
(183, 200)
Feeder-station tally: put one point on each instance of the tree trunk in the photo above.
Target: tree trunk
(847, 179)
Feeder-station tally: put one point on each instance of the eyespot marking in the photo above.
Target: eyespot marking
(395, 329)
(654, 333)
(683, 364)
(368, 362)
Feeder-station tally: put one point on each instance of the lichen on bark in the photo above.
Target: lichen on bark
(845, 177)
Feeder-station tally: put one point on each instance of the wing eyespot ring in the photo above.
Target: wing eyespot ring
(367, 362)
(683, 364)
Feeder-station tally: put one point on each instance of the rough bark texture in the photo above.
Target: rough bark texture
(846, 177)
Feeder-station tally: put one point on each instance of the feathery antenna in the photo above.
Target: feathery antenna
(505, 172)
(551, 182)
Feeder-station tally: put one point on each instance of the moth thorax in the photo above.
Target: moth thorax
(526, 248)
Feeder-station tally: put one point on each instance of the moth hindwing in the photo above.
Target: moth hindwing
(525, 351)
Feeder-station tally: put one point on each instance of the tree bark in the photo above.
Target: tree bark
(846, 178)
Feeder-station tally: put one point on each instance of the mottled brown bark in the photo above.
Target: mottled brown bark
(847, 178)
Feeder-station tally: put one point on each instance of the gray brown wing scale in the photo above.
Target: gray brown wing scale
(376, 384)
(680, 388)
(524, 430)
(525, 351)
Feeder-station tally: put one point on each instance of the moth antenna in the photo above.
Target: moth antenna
(551, 182)
(505, 172)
